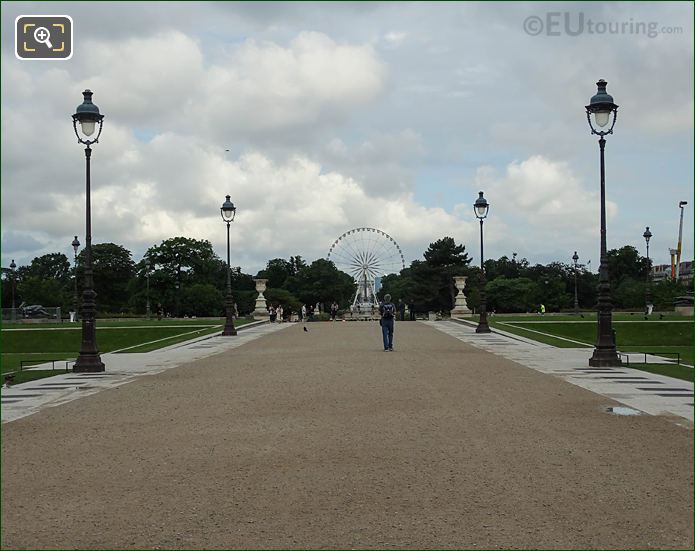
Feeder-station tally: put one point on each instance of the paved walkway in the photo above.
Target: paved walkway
(320, 439)
(647, 392)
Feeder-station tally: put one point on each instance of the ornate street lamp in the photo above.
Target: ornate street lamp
(13, 316)
(481, 208)
(228, 210)
(148, 269)
(575, 258)
(75, 246)
(648, 291)
(89, 360)
(601, 106)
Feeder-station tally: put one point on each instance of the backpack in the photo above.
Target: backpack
(389, 311)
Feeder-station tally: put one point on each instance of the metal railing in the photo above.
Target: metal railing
(24, 363)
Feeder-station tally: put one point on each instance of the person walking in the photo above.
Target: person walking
(388, 315)
(401, 310)
(334, 310)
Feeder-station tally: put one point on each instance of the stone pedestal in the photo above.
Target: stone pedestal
(460, 306)
(260, 310)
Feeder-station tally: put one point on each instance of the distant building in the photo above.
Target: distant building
(663, 271)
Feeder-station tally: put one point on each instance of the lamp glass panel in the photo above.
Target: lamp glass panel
(87, 127)
(602, 117)
(482, 210)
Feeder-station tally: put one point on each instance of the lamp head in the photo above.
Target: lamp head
(87, 114)
(481, 206)
(601, 106)
(228, 210)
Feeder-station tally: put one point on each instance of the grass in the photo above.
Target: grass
(46, 342)
(34, 374)
(669, 370)
(633, 334)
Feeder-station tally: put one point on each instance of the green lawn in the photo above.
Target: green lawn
(633, 334)
(41, 343)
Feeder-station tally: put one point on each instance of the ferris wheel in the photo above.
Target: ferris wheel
(367, 254)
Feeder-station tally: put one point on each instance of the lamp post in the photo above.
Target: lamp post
(648, 291)
(481, 208)
(228, 210)
(13, 315)
(75, 246)
(575, 258)
(148, 269)
(89, 360)
(601, 106)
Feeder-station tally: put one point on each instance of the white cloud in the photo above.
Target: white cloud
(264, 87)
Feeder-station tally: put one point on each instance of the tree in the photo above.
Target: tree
(445, 253)
(289, 302)
(180, 262)
(46, 292)
(512, 295)
(49, 266)
(322, 282)
(626, 262)
(113, 268)
(201, 299)
(276, 272)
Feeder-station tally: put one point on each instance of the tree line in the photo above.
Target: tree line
(187, 278)
(517, 286)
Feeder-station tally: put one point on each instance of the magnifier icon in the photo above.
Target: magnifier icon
(43, 36)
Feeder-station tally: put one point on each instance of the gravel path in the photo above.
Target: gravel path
(322, 440)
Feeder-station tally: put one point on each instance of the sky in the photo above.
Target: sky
(317, 118)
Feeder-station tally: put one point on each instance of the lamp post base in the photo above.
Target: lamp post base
(229, 329)
(605, 357)
(89, 363)
(483, 327)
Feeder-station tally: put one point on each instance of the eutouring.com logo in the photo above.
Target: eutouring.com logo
(557, 23)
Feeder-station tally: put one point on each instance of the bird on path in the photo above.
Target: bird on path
(306, 330)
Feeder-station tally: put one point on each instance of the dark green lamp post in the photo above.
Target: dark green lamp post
(575, 259)
(604, 113)
(648, 291)
(228, 211)
(481, 208)
(75, 247)
(13, 315)
(89, 360)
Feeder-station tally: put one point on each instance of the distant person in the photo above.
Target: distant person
(273, 314)
(411, 308)
(401, 310)
(388, 315)
(160, 312)
(279, 313)
(334, 310)
(302, 313)
(542, 309)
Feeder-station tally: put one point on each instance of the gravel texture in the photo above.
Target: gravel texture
(322, 440)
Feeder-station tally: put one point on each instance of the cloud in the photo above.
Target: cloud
(539, 201)
(264, 88)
